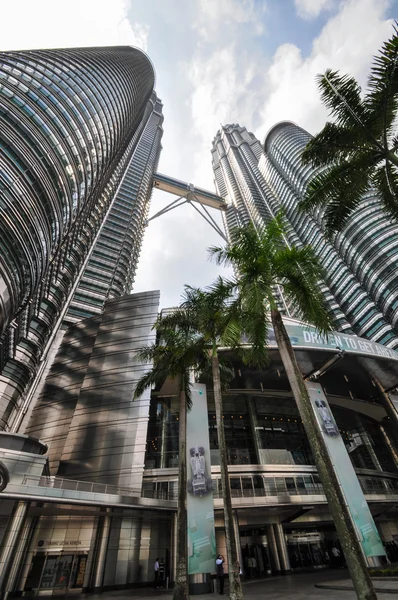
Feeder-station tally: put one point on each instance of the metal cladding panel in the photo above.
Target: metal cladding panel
(106, 437)
(70, 121)
(52, 415)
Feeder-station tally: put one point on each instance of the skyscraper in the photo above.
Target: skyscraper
(80, 139)
(361, 286)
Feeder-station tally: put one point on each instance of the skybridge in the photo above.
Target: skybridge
(200, 199)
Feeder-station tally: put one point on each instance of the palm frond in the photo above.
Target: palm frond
(385, 180)
(382, 98)
(340, 189)
(333, 144)
(300, 273)
(341, 94)
(147, 354)
(155, 377)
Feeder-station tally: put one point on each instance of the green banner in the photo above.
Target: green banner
(306, 336)
(355, 499)
(201, 533)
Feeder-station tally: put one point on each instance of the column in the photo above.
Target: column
(273, 550)
(100, 551)
(9, 546)
(253, 425)
(282, 548)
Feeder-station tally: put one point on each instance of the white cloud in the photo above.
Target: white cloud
(51, 24)
(347, 42)
(310, 9)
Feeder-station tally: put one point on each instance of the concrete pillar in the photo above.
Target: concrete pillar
(282, 548)
(253, 424)
(9, 555)
(100, 552)
(273, 550)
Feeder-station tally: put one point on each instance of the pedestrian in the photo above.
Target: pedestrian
(336, 557)
(161, 572)
(254, 566)
(220, 573)
(156, 569)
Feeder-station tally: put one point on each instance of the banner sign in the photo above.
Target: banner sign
(201, 532)
(305, 336)
(355, 499)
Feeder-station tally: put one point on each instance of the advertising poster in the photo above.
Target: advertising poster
(355, 499)
(201, 533)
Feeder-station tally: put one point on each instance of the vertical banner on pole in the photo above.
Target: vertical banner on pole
(201, 533)
(355, 499)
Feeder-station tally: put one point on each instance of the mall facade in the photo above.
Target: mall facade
(93, 503)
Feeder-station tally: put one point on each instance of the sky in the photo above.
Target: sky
(251, 62)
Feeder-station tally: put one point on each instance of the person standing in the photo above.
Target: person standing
(156, 569)
(336, 557)
(220, 572)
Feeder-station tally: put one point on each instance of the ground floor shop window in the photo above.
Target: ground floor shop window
(56, 571)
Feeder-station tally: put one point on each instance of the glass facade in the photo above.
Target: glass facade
(79, 142)
(361, 283)
(268, 432)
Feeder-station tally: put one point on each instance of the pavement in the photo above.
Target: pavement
(300, 586)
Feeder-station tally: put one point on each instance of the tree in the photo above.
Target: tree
(175, 354)
(359, 149)
(263, 264)
(214, 317)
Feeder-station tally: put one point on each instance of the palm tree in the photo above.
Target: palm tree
(264, 264)
(175, 355)
(359, 149)
(216, 321)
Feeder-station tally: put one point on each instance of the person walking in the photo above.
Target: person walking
(156, 569)
(220, 573)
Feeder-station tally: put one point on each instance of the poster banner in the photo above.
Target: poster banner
(201, 532)
(355, 499)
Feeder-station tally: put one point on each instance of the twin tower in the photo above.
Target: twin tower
(80, 140)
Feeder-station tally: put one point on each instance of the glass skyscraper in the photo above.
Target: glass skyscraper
(361, 286)
(79, 141)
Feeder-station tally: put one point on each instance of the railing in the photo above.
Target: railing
(274, 487)
(80, 486)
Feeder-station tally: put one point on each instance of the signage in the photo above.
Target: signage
(201, 532)
(306, 336)
(59, 543)
(354, 497)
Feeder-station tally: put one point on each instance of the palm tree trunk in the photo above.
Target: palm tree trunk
(235, 586)
(334, 495)
(392, 157)
(181, 586)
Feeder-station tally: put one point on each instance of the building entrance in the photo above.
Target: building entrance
(255, 554)
(56, 573)
(307, 550)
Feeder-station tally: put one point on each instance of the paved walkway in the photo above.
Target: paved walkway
(295, 587)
